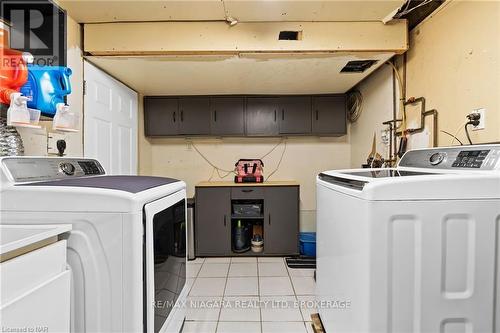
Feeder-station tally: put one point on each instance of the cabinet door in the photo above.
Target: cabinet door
(194, 115)
(213, 221)
(160, 116)
(262, 116)
(228, 116)
(295, 115)
(329, 115)
(281, 220)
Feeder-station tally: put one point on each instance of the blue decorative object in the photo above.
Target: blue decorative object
(46, 87)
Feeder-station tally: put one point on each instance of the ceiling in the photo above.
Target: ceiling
(92, 11)
(244, 74)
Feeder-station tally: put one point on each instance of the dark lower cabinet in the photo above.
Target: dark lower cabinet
(213, 221)
(227, 116)
(194, 115)
(329, 115)
(281, 206)
(214, 215)
(262, 116)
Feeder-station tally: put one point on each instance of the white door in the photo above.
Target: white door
(110, 122)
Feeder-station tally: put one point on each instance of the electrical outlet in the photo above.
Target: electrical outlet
(482, 119)
(52, 142)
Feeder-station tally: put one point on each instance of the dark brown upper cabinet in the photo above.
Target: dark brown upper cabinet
(227, 116)
(262, 116)
(295, 115)
(329, 115)
(321, 115)
(161, 116)
(194, 115)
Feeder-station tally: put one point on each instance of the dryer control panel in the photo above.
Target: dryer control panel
(475, 157)
(31, 169)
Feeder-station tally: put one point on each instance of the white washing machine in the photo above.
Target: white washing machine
(413, 248)
(127, 247)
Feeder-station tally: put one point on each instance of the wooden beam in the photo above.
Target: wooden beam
(193, 38)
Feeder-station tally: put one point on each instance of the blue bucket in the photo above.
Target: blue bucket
(308, 244)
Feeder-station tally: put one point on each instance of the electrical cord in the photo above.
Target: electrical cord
(473, 119)
(448, 133)
(407, 11)
(467, 131)
(208, 161)
(272, 149)
(455, 136)
(229, 172)
(279, 162)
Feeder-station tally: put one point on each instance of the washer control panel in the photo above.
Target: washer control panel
(470, 158)
(474, 157)
(30, 169)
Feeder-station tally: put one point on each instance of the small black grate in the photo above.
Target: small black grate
(358, 66)
(301, 262)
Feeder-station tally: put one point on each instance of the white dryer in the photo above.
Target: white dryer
(413, 248)
(127, 247)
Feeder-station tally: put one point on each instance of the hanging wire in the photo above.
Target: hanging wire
(208, 161)
(448, 133)
(408, 10)
(279, 162)
(223, 173)
(455, 136)
(354, 105)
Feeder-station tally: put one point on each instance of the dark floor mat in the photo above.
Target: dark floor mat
(301, 262)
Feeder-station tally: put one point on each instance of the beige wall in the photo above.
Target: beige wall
(35, 141)
(144, 147)
(377, 91)
(454, 62)
(303, 160)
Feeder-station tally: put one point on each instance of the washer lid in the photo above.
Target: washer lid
(358, 178)
(131, 184)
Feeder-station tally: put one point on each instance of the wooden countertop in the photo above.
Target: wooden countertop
(233, 184)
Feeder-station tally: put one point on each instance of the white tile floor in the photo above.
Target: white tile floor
(254, 295)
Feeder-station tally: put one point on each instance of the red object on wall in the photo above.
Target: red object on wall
(13, 67)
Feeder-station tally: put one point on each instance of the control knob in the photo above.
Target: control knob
(67, 168)
(436, 158)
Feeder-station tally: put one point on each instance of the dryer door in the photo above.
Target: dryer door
(165, 258)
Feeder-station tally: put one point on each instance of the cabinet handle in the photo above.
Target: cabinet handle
(274, 115)
(282, 114)
(247, 190)
(173, 116)
(224, 220)
(269, 220)
(182, 115)
(316, 114)
(215, 115)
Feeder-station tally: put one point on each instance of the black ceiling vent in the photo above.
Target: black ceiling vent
(358, 66)
(290, 35)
